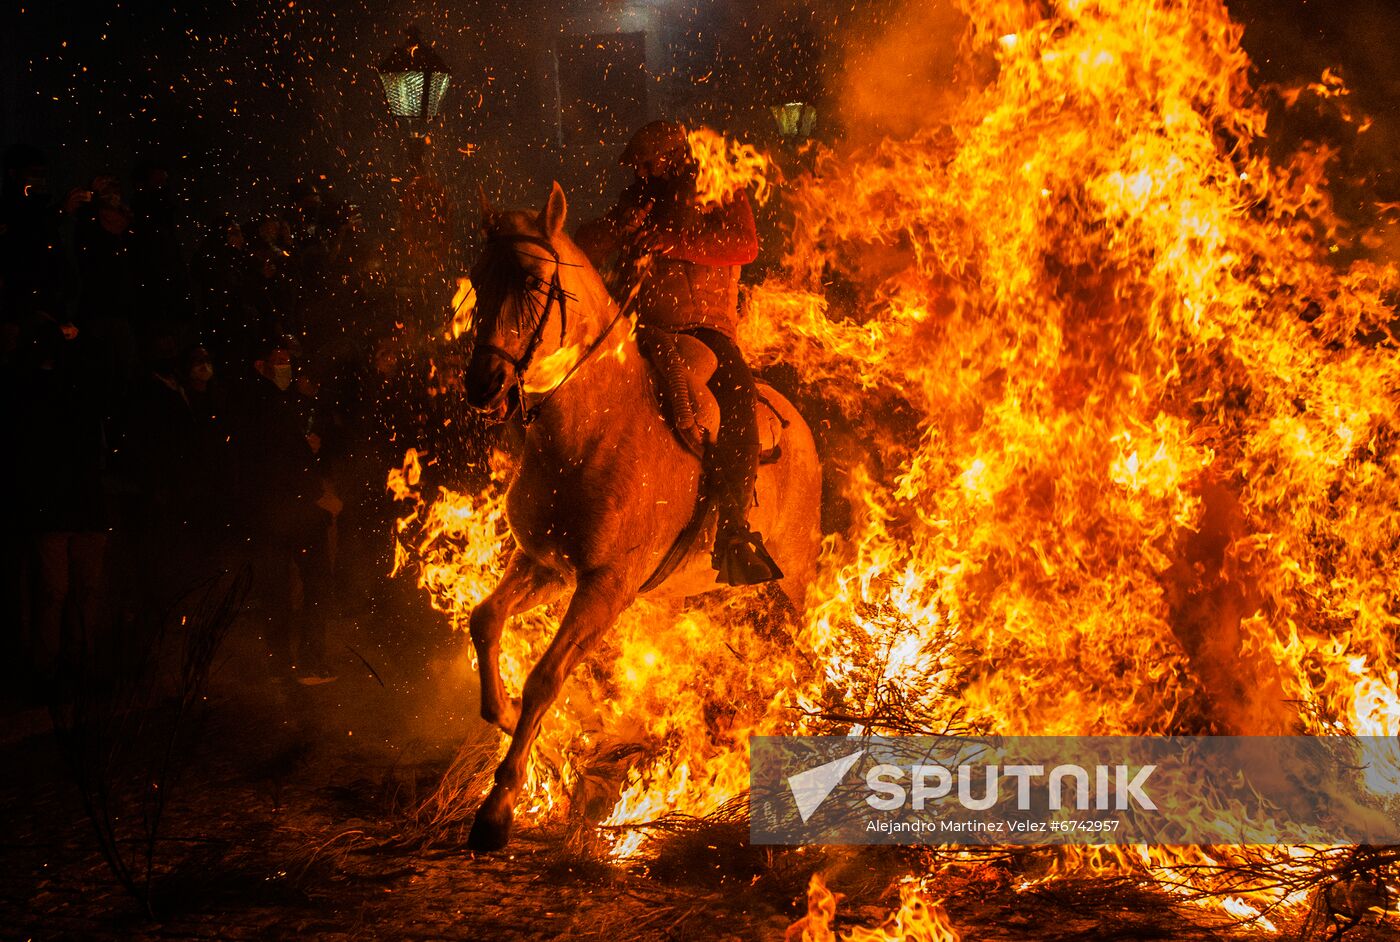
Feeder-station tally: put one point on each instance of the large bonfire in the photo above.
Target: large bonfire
(1126, 461)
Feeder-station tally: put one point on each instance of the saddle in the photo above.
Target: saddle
(683, 368)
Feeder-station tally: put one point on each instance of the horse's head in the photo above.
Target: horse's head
(536, 300)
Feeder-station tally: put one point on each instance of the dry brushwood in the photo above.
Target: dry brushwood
(443, 815)
(121, 732)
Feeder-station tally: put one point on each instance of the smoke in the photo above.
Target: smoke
(898, 70)
(1354, 40)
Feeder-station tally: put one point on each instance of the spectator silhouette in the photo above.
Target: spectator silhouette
(160, 446)
(288, 515)
(163, 279)
(63, 459)
(224, 275)
(211, 479)
(274, 286)
(107, 311)
(33, 263)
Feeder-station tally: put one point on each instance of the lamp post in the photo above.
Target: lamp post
(796, 120)
(415, 79)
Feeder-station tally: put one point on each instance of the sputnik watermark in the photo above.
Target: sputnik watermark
(811, 788)
(1113, 788)
(1028, 790)
(1116, 787)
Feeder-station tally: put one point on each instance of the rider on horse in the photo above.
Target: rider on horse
(691, 286)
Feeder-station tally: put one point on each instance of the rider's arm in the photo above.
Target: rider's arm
(722, 235)
(603, 237)
(599, 239)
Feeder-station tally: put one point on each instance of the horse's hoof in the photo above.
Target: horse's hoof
(491, 827)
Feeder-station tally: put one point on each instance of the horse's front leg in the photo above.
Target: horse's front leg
(597, 601)
(524, 585)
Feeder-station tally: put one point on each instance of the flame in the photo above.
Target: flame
(1118, 446)
(551, 369)
(916, 920)
(1244, 911)
(726, 166)
(463, 307)
(403, 480)
(821, 913)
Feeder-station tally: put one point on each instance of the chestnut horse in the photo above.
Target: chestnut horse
(603, 488)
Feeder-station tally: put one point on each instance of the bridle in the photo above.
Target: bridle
(555, 296)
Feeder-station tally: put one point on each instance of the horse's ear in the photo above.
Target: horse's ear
(555, 211)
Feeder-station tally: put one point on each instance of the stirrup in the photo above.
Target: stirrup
(741, 559)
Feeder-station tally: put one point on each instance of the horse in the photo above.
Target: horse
(603, 489)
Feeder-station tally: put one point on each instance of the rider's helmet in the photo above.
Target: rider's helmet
(659, 149)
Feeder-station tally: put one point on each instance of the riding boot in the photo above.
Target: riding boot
(740, 558)
(732, 466)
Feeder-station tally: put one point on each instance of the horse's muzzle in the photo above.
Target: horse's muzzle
(486, 382)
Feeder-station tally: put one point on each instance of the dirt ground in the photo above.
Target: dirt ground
(292, 817)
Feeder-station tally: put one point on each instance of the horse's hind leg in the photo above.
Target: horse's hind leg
(524, 585)
(595, 605)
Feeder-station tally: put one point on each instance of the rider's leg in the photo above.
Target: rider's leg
(739, 553)
(735, 450)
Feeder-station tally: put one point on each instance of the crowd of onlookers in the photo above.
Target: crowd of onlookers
(178, 405)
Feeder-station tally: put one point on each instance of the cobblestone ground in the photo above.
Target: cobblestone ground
(288, 820)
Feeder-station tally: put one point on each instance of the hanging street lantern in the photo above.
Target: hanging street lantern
(415, 79)
(796, 120)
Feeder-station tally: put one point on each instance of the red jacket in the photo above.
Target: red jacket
(720, 235)
(697, 252)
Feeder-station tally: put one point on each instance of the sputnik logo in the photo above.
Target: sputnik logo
(811, 788)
